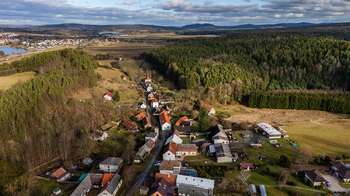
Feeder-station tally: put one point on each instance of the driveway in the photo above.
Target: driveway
(335, 187)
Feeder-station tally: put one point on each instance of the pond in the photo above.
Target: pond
(11, 51)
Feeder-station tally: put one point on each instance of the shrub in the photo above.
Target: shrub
(292, 183)
(293, 193)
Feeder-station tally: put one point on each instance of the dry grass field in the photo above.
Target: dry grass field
(111, 79)
(318, 131)
(131, 67)
(122, 49)
(321, 137)
(7, 82)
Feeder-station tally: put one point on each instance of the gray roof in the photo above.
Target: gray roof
(187, 146)
(193, 190)
(112, 161)
(142, 151)
(151, 135)
(223, 150)
(87, 183)
(113, 184)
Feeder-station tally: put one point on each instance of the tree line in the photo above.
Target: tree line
(39, 121)
(32, 63)
(330, 102)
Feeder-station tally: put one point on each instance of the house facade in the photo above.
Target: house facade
(211, 110)
(175, 138)
(107, 96)
(99, 135)
(110, 164)
(314, 176)
(165, 121)
(186, 150)
(169, 152)
(112, 187)
(219, 136)
(341, 170)
(155, 103)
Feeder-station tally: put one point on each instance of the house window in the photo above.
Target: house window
(168, 153)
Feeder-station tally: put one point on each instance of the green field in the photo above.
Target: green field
(131, 67)
(321, 137)
(49, 186)
(7, 82)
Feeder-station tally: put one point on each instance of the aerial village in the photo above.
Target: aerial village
(186, 162)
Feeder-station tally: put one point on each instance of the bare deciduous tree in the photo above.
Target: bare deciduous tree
(243, 176)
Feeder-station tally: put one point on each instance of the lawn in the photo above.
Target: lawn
(49, 186)
(131, 67)
(321, 137)
(272, 153)
(344, 185)
(106, 62)
(7, 82)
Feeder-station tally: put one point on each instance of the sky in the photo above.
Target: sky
(172, 12)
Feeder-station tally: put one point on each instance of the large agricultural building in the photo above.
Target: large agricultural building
(268, 130)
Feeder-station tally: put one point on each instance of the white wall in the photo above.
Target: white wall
(166, 127)
(168, 156)
(108, 168)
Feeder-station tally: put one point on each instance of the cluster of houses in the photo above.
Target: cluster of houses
(8, 37)
(44, 44)
(108, 180)
(172, 175)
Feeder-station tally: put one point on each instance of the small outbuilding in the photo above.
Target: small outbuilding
(57, 191)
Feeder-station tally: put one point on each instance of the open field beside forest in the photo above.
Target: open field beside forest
(122, 49)
(318, 131)
(321, 137)
(7, 82)
(111, 79)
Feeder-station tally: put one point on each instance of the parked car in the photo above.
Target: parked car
(157, 164)
(328, 184)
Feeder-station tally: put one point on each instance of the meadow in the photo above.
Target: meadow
(7, 82)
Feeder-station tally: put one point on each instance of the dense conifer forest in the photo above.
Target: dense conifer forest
(38, 120)
(258, 62)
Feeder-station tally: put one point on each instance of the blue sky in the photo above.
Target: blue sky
(172, 12)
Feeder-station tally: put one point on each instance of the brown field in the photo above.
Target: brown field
(318, 131)
(7, 82)
(122, 49)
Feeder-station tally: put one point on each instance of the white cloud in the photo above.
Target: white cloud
(129, 2)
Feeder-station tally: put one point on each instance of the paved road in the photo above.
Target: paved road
(139, 180)
(335, 187)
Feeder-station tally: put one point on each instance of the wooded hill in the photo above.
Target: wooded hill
(38, 121)
(256, 62)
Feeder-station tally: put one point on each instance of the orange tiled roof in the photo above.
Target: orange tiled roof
(141, 115)
(106, 177)
(59, 172)
(171, 179)
(164, 118)
(180, 120)
(172, 147)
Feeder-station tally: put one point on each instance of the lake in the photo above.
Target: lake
(10, 51)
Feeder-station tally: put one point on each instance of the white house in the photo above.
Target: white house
(110, 164)
(219, 136)
(175, 138)
(195, 181)
(99, 135)
(211, 110)
(155, 103)
(143, 105)
(108, 96)
(165, 121)
(169, 152)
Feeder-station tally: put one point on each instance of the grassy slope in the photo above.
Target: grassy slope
(321, 137)
(6, 82)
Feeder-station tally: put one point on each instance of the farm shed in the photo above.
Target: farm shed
(268, 130)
